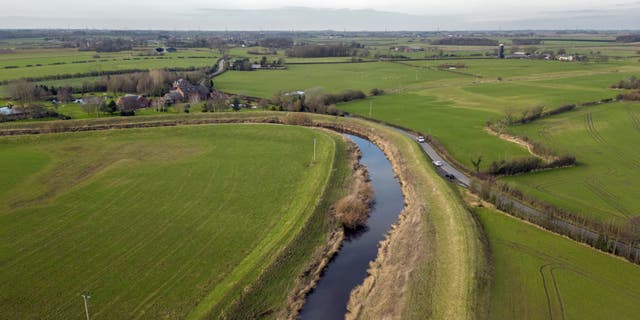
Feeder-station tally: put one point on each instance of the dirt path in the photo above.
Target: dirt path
(519, 141)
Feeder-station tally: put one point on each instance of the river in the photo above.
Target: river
(349, 266)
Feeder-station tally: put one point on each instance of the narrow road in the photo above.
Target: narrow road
(220, 69)
(506, 201)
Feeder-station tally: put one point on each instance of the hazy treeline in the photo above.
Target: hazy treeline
(629, 38)
(461, 41)
(526, 42)
(105, 44)
(317, 51)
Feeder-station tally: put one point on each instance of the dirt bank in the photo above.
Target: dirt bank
(359, 190)
(519, 141)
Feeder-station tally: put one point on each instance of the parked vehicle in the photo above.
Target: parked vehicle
(421, 139)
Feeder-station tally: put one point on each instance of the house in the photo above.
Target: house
(186, 90)
(295, 93)
(172, 97)
(564, 58)
(133, 102)
(5, 111)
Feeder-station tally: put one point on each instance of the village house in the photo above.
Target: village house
(133, 102)
(565, 58)
(184, 90)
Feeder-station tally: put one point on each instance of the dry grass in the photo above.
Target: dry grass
(353, 210)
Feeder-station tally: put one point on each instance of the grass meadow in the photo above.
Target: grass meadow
(154, 223)
(604, 138)
(540, 275)
(43, 63)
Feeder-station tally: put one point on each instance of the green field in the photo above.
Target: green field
(331, 77)
(605, 184)
(42, 63)
(539, 275)
(154, 223)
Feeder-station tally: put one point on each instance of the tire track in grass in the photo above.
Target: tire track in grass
(546, 290)
(591, 129)
(557, 289)
(635, 119)
(595, 186)
(554, 263)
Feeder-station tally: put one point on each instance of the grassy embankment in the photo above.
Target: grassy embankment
(155, 222)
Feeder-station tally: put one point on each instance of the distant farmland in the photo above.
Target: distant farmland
(153, 222)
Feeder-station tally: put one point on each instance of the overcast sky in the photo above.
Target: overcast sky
(327, 14)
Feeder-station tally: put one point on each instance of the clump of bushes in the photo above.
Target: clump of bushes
(297, 119)
(376, 92)
(344, 96)
(352, 211)
(631, 83)
(528, 164)
(629, 96)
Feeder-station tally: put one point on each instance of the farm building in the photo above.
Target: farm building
(133, 102)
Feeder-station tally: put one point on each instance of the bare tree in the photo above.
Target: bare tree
(158, 78)
(314, 99)
(64, 94)
(476, 163)
(91, 104)
(24, 92)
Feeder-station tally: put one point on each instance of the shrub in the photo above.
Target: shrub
(297, 119)
(351, 211)
(376, 92)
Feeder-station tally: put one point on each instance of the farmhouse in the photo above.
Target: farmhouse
(186, 89)
(172, 97)
(8, 111)
(133, 102)
(565, 58)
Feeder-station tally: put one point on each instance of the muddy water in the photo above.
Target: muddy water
(349, 267)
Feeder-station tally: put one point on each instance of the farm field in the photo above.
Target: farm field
(540, 275)
(155, 223)
(331, 77)
(458, 128)
(606, 182)
(37, 64)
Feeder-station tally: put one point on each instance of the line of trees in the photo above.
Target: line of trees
(631, 83)
(317, 51)
(316, 100)
(105, 44)
(629, 38)
(462, 41)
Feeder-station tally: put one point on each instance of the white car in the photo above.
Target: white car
(437, 163)
(420, 139)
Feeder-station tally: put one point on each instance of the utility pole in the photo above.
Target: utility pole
(85, 297)
(314, 149)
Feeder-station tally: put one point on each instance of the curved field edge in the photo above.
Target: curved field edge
(541, 275)
(276, 293)
(135, 151)
(271, 248)
(444, 261)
